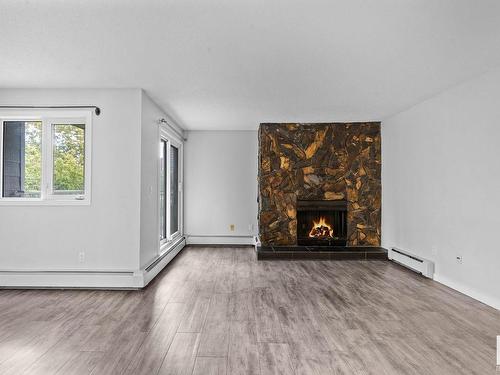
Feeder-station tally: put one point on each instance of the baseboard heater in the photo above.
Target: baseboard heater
(413, 262)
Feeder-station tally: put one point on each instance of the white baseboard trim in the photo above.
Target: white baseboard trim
(89, 279)
(69, 279)
(219, 240)
(159, 264)
(488, 300)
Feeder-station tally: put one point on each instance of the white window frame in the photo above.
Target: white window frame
(49, 118)
(172, 139)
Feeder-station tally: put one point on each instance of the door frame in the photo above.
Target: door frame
(172, 139)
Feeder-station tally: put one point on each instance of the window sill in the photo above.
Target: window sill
(46, 202)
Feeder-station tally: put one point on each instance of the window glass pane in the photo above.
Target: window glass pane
(163, 190)
(174, 189)
(69, 159)
(22, 159)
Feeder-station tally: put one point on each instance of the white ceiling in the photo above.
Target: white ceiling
(232, 64)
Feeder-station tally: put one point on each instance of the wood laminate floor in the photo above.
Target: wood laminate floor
(219, 311)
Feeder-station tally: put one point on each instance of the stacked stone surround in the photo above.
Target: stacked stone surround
(325, 161)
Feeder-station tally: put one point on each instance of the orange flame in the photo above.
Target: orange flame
(321, 229)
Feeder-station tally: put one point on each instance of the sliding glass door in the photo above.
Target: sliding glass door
(170, 189)
(174, 190)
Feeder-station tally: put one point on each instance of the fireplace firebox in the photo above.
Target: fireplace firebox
(321, 223)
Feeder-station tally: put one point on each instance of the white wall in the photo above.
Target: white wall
(220, 174)
(441, 185)
(150, 114)
(50, 237)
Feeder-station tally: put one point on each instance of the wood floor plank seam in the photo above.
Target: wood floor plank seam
(161, 364)
(41, 355)
(131, 367)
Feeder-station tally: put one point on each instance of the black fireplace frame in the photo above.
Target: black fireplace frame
(335, 211)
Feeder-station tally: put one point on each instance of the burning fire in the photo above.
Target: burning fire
(321, 229)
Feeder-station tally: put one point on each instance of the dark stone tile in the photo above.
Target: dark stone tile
(376, 256)
(322, 252)
(261, 255)
(264, 248)
(348, 255)
(312, 255)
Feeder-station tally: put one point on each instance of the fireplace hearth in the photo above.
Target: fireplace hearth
(321, 223)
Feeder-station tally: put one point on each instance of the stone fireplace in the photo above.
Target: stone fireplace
(326, 173)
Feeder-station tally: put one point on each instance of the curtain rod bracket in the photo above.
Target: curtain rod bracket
(163, 121)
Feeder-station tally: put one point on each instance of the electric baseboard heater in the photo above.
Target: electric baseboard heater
(413, 262)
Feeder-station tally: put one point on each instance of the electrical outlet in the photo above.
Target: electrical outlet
(81, 257)
(434, 250)
(459, 259)
(231, 227)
